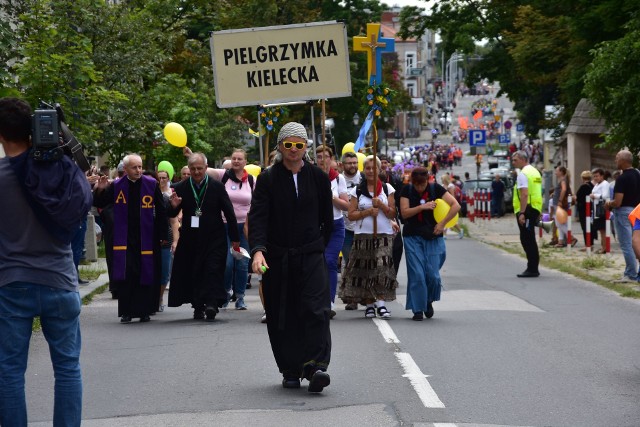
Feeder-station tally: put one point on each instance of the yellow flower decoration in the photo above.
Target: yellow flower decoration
(377, 112)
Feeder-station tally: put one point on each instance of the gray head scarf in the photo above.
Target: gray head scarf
(292, 129)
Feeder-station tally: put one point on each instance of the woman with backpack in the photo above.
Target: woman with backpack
(425, 250)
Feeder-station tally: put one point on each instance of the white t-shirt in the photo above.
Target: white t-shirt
(365, 225)
(338, 187)
(351, 183)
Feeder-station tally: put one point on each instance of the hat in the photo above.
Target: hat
(292, 129)
(121, 167)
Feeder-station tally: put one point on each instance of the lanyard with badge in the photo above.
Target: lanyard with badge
(199, 198)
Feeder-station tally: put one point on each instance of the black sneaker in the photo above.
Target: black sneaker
(198, 314)
(291, 382)
(417, 316)
(318, 381)
(125, 319)
(211, 312)
(145, 319)
(429, 313)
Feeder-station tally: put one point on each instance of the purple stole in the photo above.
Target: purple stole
(121, 222)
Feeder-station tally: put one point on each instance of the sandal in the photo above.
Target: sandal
(601, 252)
(560, 245)
(383, 312)
(370, 312)
(574, 242)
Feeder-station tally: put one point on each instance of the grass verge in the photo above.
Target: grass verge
(584, 269)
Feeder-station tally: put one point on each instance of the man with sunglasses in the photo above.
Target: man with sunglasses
(290, 224)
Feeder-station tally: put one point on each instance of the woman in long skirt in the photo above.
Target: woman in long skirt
(369, 277)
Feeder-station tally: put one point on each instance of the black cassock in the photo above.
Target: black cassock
(292, 230)
(134, 299)
(197, 276)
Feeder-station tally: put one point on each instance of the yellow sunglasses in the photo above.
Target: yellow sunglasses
(289, 144)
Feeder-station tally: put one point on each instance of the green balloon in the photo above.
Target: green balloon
(166, 167)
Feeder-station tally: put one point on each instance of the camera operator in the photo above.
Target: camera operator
(44, 204)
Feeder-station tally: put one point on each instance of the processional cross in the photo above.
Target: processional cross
(374, 45)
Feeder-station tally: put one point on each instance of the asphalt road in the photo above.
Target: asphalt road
(553, 351)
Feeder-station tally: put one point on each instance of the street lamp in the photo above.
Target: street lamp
(356, 122)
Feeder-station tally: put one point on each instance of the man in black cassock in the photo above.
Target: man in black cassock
(139, 227)
(197, 276)
(290, 223)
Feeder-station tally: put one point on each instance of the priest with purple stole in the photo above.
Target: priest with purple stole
(140, 226)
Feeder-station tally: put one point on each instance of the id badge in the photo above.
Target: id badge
(195, 222)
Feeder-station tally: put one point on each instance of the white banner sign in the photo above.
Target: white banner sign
(268, 65)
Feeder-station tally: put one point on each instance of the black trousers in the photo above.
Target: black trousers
(528, 238)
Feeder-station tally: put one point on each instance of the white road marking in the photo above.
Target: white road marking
(386, 331)
(419, 381)
(444, 425)
(476, 300)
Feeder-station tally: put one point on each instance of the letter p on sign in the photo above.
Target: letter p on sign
(477, 138)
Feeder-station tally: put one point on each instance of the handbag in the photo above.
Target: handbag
(599, 210)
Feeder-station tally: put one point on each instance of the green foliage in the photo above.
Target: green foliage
(538, 50)
(122, 71)
(612, 84)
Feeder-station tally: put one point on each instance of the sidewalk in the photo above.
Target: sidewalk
(100, 264)
(602, 269)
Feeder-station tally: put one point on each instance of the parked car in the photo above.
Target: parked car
(499, 158)
(485, 184)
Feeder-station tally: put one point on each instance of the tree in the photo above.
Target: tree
(612, 84)
(538, 49)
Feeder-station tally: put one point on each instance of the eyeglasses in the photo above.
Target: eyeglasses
(163, 177)
(289, 144)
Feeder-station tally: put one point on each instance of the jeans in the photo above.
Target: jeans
(331, 254)
(236, 271)
(424, 260)
(77, 242)
(624, 230)
(166, 257)
(59, 312)
(346, 245)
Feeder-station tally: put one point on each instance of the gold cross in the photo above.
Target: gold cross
(369, 44)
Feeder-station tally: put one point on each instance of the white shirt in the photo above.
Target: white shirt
(601, 191)
(365, 225)
(351, 183)
(338, 188)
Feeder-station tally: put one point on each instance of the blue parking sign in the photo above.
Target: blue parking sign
(477, 138)
(520, 127)
(505, 138)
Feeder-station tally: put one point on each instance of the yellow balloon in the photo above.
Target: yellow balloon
(361, 159)
(175, 134)
(348, 148)
(253, 170)
(561, 215)
(441, 210)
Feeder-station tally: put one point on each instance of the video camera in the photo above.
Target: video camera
(52, 138)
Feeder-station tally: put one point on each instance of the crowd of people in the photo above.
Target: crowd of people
(202, 236)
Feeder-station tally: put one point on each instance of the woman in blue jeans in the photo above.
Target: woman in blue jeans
(324, 158)
(424, 247)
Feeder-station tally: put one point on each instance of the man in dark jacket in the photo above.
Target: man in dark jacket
(290, 223)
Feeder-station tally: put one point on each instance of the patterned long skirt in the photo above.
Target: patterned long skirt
(369, 275)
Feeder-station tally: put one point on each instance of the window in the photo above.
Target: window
(411, 89)
(409, 61)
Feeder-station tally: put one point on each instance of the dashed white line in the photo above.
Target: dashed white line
(386, 331)
(419, 381)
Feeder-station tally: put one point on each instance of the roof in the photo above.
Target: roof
(584, 120)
